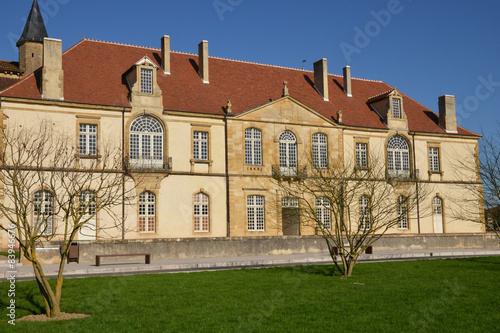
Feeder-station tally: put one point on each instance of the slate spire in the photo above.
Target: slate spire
(34, 30)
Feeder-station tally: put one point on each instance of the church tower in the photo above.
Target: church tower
(31, 42)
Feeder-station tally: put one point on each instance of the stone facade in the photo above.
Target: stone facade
(199, 141)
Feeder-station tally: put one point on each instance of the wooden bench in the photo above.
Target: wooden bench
(98, 257)
(369, 250)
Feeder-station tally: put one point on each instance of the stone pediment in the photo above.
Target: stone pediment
(285, 110)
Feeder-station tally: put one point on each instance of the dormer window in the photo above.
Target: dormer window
(146, 81)
(396, 107)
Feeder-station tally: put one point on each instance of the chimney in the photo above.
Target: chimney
(447, 115)
(203, 60)
(347, 81)
(52, 73)
(321, 78)
(165, 54)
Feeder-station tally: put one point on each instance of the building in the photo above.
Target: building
(208, 132)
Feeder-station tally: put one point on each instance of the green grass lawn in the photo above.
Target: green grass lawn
(458, 295)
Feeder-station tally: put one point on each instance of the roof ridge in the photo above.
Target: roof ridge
(121, 44)
(220, 58)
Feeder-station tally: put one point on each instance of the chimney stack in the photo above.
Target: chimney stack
(203, 60)
(52, 72)
(347, 81)
(447, 113)
(165, 54)
(321, 78)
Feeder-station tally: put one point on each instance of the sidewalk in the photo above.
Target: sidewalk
(117, 265)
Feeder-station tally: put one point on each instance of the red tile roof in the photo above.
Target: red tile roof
(9, 67)
(94, 74)
(6, 82)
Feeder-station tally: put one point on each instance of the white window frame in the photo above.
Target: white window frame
(323, 213)
(87, 140)
(396, 108)
(201, 212)
(200, 145)
(364, 213)
(147, 212)
(87, 202)
(146, 81)
(361, 155)
(402, 213)
(320, 150)
(398, 157)
(43, 212)
(146, 143)
(434, 159)
(255, 213)
(253, 146)
(288, 153)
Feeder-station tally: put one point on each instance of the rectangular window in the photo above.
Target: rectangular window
(396, 108)
(361, 155)
(146, 81)
(323, 214)
(434, 159)
(253, 150)
(364, 213)
(201, 218)
(147, 214)
(88, 139)
(319, 146)
(43, 212)
(402, 213)
(255, 213)
(200, 145)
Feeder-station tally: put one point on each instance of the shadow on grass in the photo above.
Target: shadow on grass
(325, 270)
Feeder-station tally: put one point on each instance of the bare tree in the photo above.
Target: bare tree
(479, 174)
(51, 192)
(350, 207)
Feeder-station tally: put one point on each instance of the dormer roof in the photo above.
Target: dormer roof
(34, 30)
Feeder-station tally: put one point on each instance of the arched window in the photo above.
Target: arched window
(43, 213)
(364, 213)
(437, 212)
(147, 212)
(398, 157)
(201, 212)
(288, 153)
(255, 212)
(319, 147)
(88, 210)
(146, 143)
(323, 213)
(253, 146)
(402, 212)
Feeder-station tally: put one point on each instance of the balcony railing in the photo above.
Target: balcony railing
(149, 163)
(288, 172)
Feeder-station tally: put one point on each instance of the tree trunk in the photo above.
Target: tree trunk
(51, 300)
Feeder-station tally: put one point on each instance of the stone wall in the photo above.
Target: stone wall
(258, 246)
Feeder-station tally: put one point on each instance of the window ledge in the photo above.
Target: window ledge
(89, 157)
(193, 161)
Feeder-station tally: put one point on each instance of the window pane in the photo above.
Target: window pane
(319, 150)
(147, 212)
(361, 155)
(146, 81)
(146, 143)
(255, 213)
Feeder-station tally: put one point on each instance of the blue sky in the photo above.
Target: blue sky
(426, 48)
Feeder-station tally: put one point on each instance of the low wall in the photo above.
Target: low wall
(257, 246)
